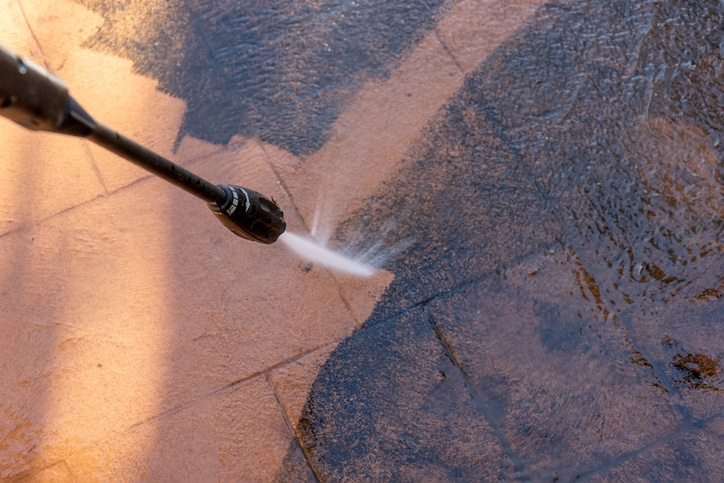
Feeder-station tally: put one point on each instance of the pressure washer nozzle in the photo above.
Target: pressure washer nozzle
(250, 214)
(38, 100)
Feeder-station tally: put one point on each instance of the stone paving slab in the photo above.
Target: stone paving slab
(97, 285)
(112, 352)
(549, 203)
(563, 139)
(31, 167)
(688, 455)
(560, 383)
(211, 436)
(32, 170)
(423, 426)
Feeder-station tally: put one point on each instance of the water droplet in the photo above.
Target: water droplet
(22, 68)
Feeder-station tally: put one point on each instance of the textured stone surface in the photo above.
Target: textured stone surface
(543, 183)
(565, 207)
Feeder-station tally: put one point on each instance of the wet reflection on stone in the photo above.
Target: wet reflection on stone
(682, 197)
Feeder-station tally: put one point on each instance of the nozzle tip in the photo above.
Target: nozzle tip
(250, 214)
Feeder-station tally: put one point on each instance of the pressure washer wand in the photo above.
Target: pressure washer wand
(36, 99)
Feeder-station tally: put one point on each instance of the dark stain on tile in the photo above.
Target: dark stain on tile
(698, 370)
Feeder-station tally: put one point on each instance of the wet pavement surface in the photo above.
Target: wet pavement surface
(279, 70)
(546, 180)
(560, 272)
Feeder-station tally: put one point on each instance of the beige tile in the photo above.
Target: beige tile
(259, 304)
(40, 173)
(293, 382)
(84, 324)
(371, 137)
(16, 32)
(235, 435)
(105, 86)
(135, 327)
(141, 303)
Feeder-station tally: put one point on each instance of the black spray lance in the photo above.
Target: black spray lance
(38, 100)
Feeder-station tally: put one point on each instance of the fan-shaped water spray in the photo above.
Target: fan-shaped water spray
(315, 252)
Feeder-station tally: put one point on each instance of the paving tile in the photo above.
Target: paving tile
(42, 174)
(563, 385)
(238, 434)
(36, 180)
(683, 342)
(361, 294)
(603, 179)
(141, 302)
(261, 319)
(59, 28)
(462, 205)
(83, 317)
(106, 86)
(550, 313)
(546, 145)
(693, 455)
(278, 70)
(366, 147)
(636, 202)
(16, 32)
(130, 104)
(293, 381)
(294, 468)
(395, 407)
(541, 90)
